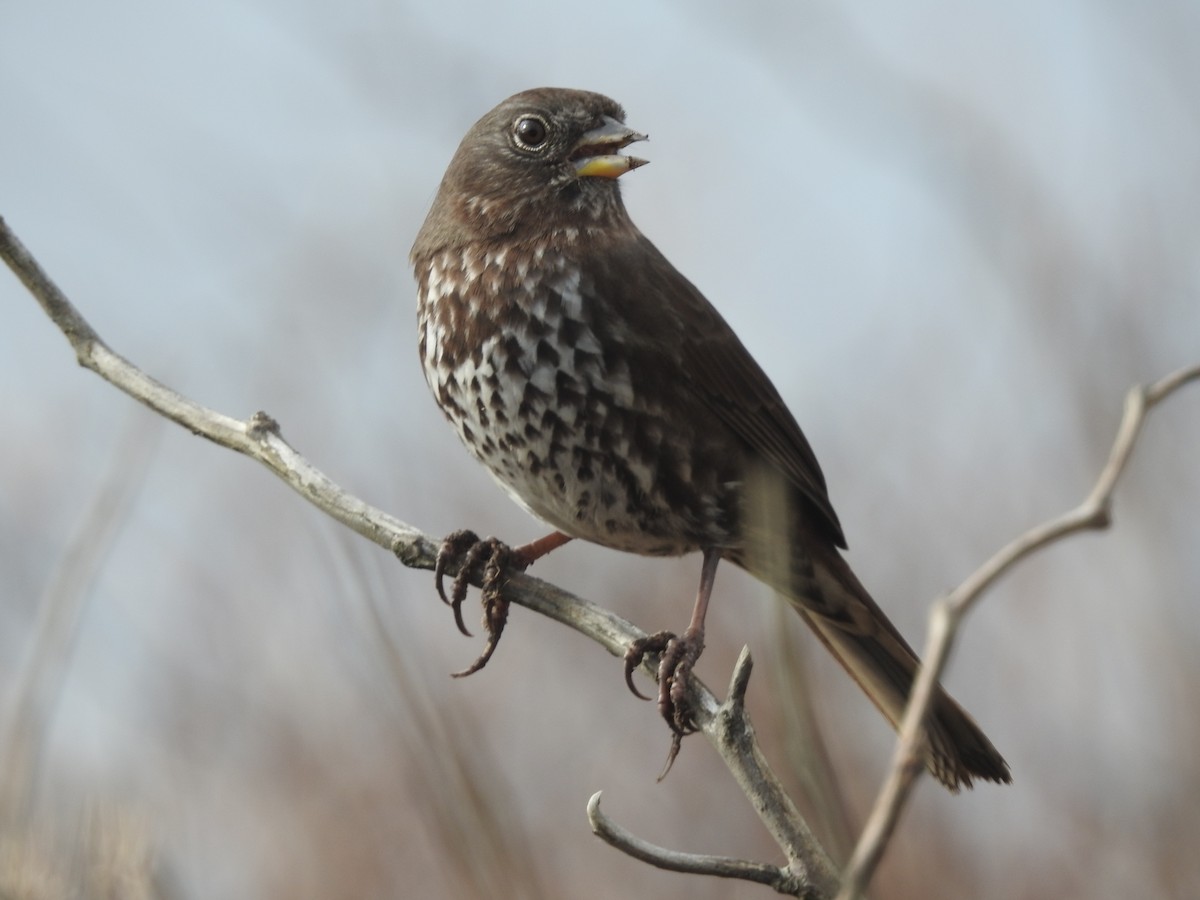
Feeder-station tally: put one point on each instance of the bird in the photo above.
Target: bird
(610, 399)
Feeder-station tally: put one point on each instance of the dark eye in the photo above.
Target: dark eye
(530, 132)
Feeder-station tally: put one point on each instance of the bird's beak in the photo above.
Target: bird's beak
(595, 155)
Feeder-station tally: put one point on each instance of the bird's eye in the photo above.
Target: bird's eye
(531, 132)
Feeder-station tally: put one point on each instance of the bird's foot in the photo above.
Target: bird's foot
(492, 562)
(677, 656)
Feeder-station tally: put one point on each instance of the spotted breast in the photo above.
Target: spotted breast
(512, 353)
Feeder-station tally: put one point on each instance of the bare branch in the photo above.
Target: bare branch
(947, 614)
(732, 734)
(258, 438)
(809, 873)
(691, 863)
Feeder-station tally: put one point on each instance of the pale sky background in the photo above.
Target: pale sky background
(952, 235)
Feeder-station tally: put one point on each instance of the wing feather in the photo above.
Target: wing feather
(721, 373)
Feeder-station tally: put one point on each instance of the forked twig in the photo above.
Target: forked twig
(946, 616)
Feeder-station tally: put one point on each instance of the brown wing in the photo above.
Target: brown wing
(722, 373)
(735, 387)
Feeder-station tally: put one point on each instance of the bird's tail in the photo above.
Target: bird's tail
(830, 598)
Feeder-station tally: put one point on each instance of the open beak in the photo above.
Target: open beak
(596, 154)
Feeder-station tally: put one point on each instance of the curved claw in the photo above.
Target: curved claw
(475, 552)
(459, 593)
(492, 560)
(454, 546)
(676, 746)
(633, 659)
(677, 656)
(674, 677)
(629, 667)
(637, 651)
(488, 649)
(680, 714)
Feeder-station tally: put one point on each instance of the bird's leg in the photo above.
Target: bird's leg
(528, 554)
(679, 655)
(494, 561)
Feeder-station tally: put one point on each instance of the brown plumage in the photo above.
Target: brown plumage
(611, 400)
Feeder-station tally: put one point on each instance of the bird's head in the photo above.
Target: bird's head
(543, 159)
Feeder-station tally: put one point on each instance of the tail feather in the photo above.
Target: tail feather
(855, 630)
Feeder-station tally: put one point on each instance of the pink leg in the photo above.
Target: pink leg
(679, 655)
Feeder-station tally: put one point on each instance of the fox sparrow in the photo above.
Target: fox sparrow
(609, 398)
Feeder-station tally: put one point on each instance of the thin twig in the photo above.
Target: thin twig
(947, 614)
(692, 863)
(732, 734)
(257, 437)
